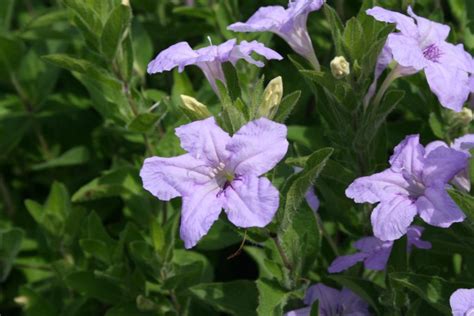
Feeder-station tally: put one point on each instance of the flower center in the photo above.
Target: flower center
(415, 186)
(432, 52)
(222, 176)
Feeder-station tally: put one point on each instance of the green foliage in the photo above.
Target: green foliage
(79, 235)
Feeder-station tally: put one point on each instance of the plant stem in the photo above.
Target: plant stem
(32, 267)
(286, 262)
(325, 234)
(394, 74)
(6, 197)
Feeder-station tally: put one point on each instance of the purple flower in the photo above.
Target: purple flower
(420, 45)
(289, 24)
(332, 302)
(375, 252)
(220, 171)
(415, 184)
(462, 302)
(463, 144)
(209, 59)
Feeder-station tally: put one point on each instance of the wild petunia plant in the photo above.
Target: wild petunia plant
(274, 175)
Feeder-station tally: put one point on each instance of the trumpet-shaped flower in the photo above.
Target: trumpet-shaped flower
(462, 302)
(210, 59)
(220, 171)
(463, 144)
(289, 24)
(375, 252)
(420, 45)
(332, 302)
(415, 184)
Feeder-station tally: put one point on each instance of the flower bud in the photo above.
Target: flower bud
(126, 3)
(340, 67)
(21, 300)
(458, 123)
(271, 98)
(193, 108)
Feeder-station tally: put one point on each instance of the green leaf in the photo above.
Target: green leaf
(144, 122)
(190, 268)
(58, 201)
(314, 309)
(336, 27)
(127, 310)
(271, 298)
(233, 85)
(123, 181)
(11, 53)
(87, 20)
(232, 117)
(92, 286)
(6, 10)
(74, 156)
(37, 304)
(96, 248)
(298, 230)
(114, 30)
(10, 243)
(96, 231)
(354, 38)
(286, 106)
(433, 289)
(365, 289)
(13, 128)
(52, 216)
(235, 297)
(398, 261)
(295, 188)
(464, 201)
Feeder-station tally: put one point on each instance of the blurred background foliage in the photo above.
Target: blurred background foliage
(78, 114)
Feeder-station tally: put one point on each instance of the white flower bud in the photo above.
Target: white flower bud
(21, 300)
(466, 116)
(194, 107)
(340, 67)
(271, 97)
(126, 3)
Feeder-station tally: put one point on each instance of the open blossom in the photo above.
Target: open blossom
(420, 45)
(332, 302)
(462, 302)
(220, 171)
(289, 24)
(375, 252)
(415, 184)
(463, 144)
(210, 59)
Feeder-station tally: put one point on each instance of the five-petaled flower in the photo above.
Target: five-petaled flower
(220, 171)
(420, 45)
(332, 302)
(463, 144)
(462, 302)
(375, 252)
(210, 59)
(414, 184)
(289, 24)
